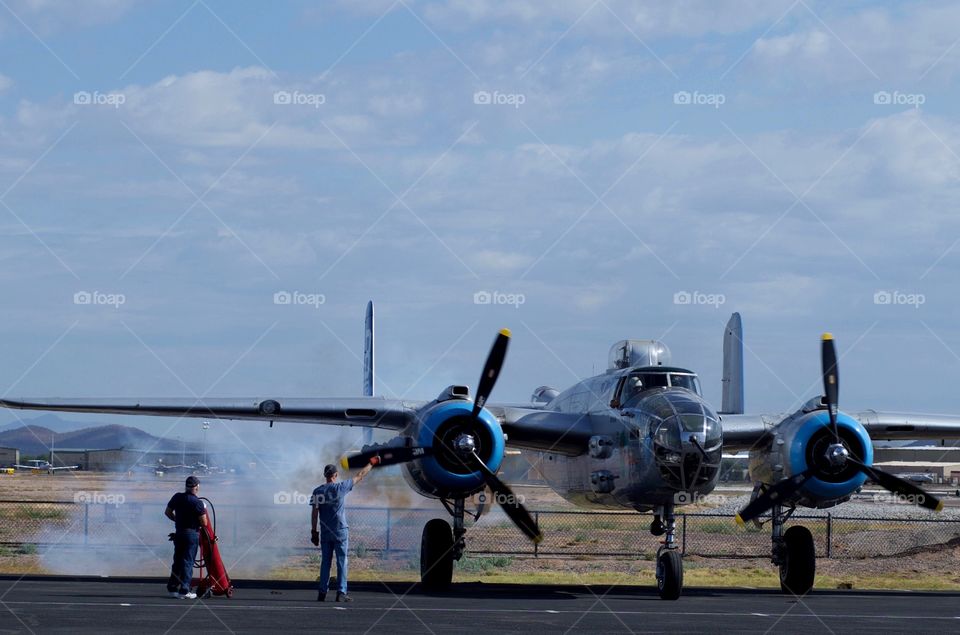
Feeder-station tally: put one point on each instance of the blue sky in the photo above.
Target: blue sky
(810, 183)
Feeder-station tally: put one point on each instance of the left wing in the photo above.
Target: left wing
(372, 412)
(742, 432)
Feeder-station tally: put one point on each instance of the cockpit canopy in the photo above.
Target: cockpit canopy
(641, 380)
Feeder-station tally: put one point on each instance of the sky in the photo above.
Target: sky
(199, 198)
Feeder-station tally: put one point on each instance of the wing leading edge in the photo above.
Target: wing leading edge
(370, 412)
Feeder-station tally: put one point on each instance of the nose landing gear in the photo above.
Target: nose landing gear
(669, 560)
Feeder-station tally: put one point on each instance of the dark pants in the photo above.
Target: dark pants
(185, 544)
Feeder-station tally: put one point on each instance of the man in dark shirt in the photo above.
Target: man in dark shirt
(328, 511)
(188, 513)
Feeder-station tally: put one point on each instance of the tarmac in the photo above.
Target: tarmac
(36, 604)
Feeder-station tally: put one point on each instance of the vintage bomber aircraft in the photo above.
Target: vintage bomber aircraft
(639, 436)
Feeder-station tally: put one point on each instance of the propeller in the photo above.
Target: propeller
(837, 454)
(831, 380)
(491, 370)
(387, 456)
(512, 507)
(465, 446)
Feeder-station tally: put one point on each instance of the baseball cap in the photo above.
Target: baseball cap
(329, 470)
(192, 481)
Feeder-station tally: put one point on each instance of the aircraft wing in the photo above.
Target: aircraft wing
(64, 467)
(544, 430)
(742, 432)
(526, 427)
(371, 412)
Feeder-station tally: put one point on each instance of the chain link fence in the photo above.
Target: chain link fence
(33, 526)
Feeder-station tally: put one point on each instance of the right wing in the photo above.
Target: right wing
(544, 430)
(371, 412)
(525, 427)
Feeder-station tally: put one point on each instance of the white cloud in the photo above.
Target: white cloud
(897, 44)
(5, 82)
(47, 16)
(499, 261)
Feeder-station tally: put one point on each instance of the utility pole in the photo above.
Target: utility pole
(205, 427)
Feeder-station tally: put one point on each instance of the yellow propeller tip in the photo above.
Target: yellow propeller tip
(343, 463)
(505, 332)
(827, 337)
(739, 520)
(939, 507)
(538, 539)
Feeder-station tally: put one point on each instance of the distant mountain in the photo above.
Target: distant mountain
(47, 420)
(35, 440)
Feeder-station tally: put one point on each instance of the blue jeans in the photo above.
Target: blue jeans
(185, 545)
(329, 546)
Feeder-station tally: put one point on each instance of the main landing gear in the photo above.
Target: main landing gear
(793, 552)
(441, 545)
(669, 561)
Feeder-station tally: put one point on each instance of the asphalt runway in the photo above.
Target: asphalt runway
(42, 605)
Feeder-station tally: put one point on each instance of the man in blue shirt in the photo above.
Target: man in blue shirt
(188, 513)
(327, 502)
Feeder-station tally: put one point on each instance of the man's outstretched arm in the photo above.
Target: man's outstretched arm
(366, 470)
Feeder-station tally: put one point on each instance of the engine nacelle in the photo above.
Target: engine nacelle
(444, 473)
(800, 443)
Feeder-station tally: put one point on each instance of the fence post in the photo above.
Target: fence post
(683, 526)
(829, 535)
(536, 545)
(86, 523)
(388, 531)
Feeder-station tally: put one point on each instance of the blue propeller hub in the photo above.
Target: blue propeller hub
(812, 446)
(446, 429)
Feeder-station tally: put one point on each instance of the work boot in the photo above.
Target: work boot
(343, 597)
(322, 596)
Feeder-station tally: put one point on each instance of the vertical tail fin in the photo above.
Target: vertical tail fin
(368, 368)
(368, 365)
(733, 367)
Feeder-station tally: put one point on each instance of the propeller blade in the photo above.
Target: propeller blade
(387, 455)
(909, 491)
(775, 493)
(831, 380)
(491, 370)
(509, 502)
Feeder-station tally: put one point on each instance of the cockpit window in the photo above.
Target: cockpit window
(685, 381)
(635, 383)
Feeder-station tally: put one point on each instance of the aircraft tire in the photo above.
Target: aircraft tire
(670, 574)
(436, 555)
(799, 565)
